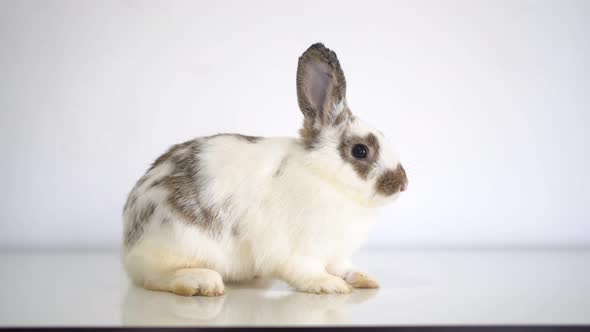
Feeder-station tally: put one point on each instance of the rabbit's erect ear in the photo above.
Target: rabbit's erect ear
(321, 87)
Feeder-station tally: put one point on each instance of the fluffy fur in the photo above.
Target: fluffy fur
(232, 207)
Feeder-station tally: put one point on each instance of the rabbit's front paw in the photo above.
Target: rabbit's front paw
(360, 280)
(324, 285)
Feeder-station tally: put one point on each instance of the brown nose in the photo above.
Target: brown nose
(403, 187)
(392, 181)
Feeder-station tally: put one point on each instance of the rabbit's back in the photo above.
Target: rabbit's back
(208, 182)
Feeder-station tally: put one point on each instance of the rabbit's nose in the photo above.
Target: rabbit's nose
(392, 181)
(403, 186)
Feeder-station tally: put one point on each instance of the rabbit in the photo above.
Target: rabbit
(231, 207)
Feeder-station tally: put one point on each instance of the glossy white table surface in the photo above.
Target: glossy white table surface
(64, 288)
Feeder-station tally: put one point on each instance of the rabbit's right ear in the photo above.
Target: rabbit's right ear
(321, 87)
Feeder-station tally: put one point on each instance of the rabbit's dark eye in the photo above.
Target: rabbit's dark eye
(360, 151)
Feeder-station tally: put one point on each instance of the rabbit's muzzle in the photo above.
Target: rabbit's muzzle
(392, 181)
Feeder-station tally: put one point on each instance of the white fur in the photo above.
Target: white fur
(291, 225)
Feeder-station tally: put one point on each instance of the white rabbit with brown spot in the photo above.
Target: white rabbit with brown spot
(232, 207)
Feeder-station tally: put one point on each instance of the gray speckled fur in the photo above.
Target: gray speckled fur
(183, 186)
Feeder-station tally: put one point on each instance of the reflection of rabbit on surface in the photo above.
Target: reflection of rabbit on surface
(231, 207)
(241, 306)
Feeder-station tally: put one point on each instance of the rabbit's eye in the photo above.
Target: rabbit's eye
(360, 151)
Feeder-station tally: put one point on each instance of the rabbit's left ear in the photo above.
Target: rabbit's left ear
(321, 87)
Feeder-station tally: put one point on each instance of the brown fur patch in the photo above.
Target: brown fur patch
(185, 183)
(309, 134)
(139, 218)
(362, 166)
(392, 181)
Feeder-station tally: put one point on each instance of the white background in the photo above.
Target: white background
(488, 102)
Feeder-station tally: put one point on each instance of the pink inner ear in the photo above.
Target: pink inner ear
(318, 77)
